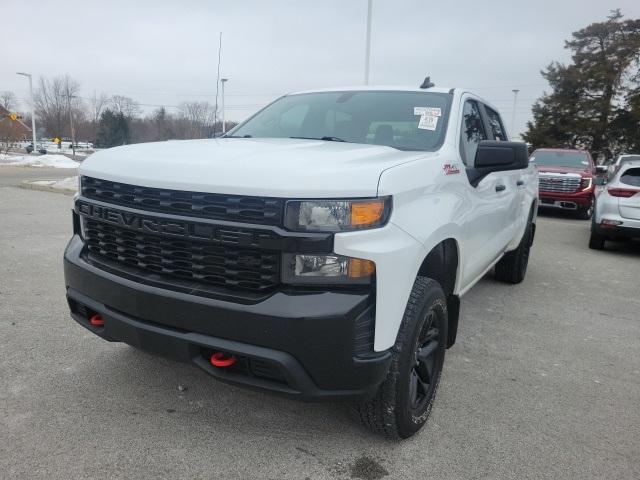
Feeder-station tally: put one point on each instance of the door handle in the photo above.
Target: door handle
(520, 183)
(500, 188)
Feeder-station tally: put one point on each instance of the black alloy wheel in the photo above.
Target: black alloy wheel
(429, 357)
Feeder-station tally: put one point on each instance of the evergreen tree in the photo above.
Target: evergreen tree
(593, 100)
(113, 130)
(162, 123)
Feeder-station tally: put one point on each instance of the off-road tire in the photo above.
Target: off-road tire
(391, 411)
(512, 268)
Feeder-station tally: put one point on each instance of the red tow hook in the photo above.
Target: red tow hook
(221, 360)
(96, 320)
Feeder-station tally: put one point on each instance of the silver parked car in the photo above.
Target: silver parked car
(617, 211)
(620, 160)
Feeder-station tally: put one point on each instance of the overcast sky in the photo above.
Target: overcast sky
(165, 52)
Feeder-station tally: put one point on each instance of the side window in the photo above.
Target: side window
(497, 128)
(472, 131)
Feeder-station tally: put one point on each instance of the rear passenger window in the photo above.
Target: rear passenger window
(472, 131)
(497, 128)
(631, 177)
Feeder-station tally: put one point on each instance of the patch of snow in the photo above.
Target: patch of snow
(56, 161)
(69, 183)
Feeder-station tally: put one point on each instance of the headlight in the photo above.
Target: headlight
(336, 215)
(585, 183)
(323, 269)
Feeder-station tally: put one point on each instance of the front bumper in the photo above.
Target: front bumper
(310, 345)
(566, 201)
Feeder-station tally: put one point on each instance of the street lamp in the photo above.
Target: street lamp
(513, 113)
(33, 112)
(224, 123)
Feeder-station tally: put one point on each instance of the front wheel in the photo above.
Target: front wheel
(585, 213)
(403, 402)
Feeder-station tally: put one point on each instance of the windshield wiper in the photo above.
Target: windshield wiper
(327, 139)
(237, 136)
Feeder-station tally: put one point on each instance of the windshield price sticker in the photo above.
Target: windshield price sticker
(430, 111)
(428, 122)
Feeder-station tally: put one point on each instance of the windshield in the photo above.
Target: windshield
(402, 120)
(568, 159)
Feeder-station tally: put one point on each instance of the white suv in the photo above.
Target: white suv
(318, 250)
(617, 213)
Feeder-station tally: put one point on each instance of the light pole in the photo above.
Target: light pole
(224, 123)
(33, 110)
(367, 54)
(513, 113)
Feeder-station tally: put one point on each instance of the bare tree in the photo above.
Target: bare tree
(53, 99)
(195, 119)
(9, 100)
(97, 104)
(125, 105)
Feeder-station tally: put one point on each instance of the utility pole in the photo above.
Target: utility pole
(513, 113)
(367, 55)
(73, 133)
(33, 108)
(224, 123)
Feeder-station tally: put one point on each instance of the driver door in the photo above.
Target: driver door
(491, 201)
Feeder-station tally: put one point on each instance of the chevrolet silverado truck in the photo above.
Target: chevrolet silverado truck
(318, 250)
(567, 180)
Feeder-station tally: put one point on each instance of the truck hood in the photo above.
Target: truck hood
(583, 172)
(248, 166)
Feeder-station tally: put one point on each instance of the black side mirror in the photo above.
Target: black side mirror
(501, 155)
(493, 156)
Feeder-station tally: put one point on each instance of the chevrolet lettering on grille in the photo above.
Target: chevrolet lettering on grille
(146, 224)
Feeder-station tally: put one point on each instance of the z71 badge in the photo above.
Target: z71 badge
(451, 168)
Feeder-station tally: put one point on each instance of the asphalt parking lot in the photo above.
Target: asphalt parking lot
(544, 381)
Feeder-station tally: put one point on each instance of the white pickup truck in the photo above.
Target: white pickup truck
(318, 250)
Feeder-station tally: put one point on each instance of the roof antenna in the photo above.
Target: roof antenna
(215, 112)
(427, 83)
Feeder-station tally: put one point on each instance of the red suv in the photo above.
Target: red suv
(566, 180)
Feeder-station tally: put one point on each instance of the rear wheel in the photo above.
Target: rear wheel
(512, 268)
(403, 402)
(596, 241)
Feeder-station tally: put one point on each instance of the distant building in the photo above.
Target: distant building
(17, 129)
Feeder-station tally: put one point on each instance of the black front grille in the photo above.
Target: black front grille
(205, 262)
(261, 210)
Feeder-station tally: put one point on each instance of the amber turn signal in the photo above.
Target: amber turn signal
(359, 268)
(367, 213)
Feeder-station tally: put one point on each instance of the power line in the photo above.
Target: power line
(239, 106)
